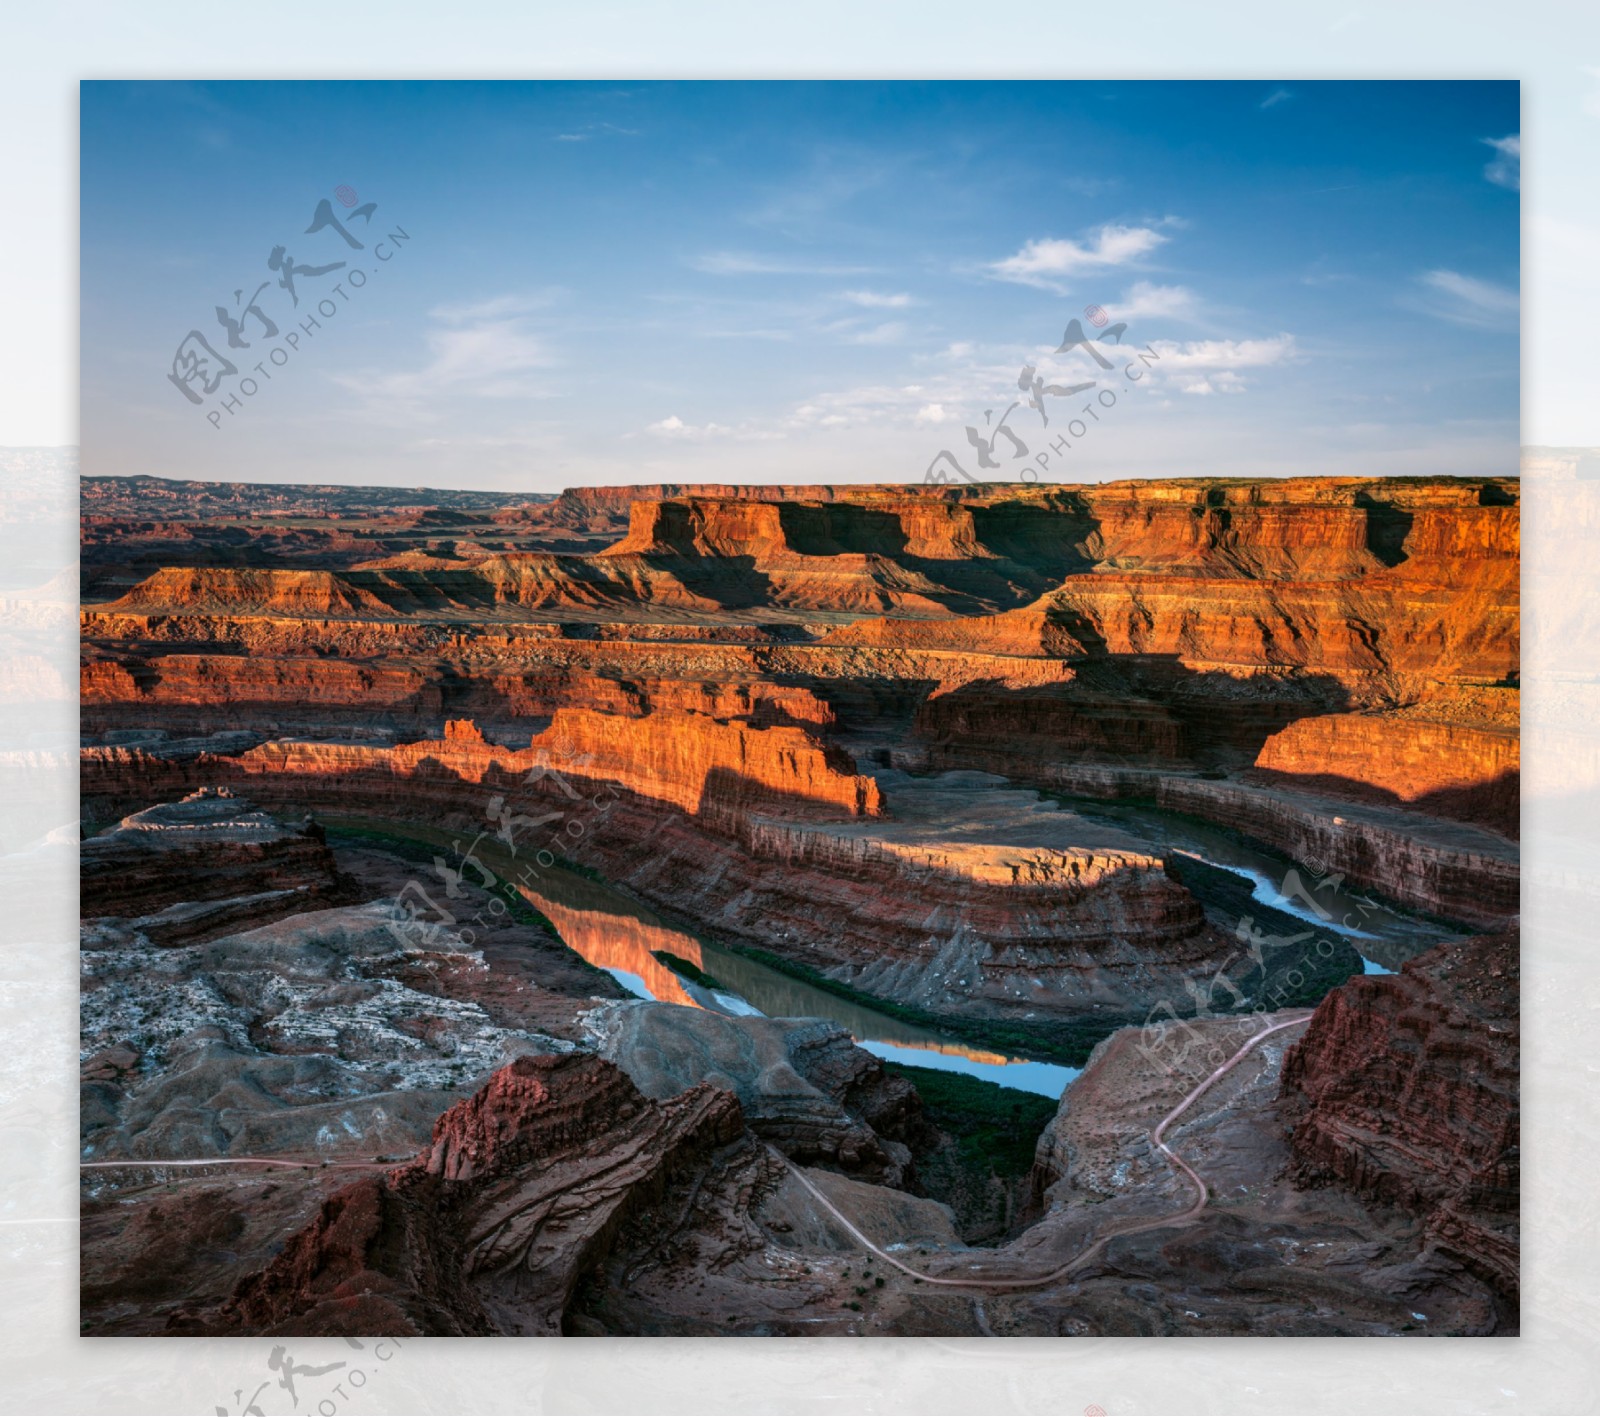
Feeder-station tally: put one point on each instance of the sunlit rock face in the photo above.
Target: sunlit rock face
(856, 736)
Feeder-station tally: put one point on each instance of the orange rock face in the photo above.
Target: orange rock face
(706, 767)
(525, 1186)
(1458, 770)
(844, 733)
(732, 663)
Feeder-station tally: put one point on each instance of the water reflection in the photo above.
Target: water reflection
(1386, 938)
(622, 937)
(622, 945)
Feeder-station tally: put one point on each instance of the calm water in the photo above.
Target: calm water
(621, 936)
(1384, 937)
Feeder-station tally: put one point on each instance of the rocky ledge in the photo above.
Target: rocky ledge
(172, 870)
(523, 1186)
(1404, 1090)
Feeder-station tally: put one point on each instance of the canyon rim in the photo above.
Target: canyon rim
(998, 895)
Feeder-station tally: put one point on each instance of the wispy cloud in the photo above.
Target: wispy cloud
(674, 429)
(891, 332)
(1504, 169)
(1273, 99)
(874, 300)
(482, 348)
(814, 200)
(1465, 300)
(596, 130)
(1045, 263)
(741, 263)
(1211, 366)
(1225, 353)
(1146, 300)
(496, 307)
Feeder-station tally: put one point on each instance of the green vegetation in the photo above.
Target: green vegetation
(995, 1128)
(577, 868)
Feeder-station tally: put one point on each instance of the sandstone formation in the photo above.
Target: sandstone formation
(1172, 625)
(856, 735)
(801, 1083)
(523, 1186)
(181, 869)
(1266, 1255)
(1020, 911)
(1465, 771)
(1405, 1090)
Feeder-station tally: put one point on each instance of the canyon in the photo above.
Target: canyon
(349, 755)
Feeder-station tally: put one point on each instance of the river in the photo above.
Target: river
(1385, 937)
(626, 939)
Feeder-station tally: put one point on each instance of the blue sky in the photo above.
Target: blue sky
(633, 282)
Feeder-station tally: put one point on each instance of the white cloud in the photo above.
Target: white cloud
(1145, 300)
(1224, 354)
(1504, 169)
(740, 263)
(873, 300)
(496, 307)
(483, 352)
(890, 333)
(1042, 263)
(1466, 300)
(881, 405)
(1223, 381)
(1211, 366)
(673, 428)
(590, 129)
(482, 348)
(1273, 99)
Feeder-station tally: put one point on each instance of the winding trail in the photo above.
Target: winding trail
(984, 1281)
(971, 1281)
(318, 1165)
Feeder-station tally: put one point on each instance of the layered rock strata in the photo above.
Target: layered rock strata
(954, 895)
(523, 1187)
(1405, 1090)
(177, 859)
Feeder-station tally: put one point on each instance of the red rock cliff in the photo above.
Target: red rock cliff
(1405, 1090)
(700, 764)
